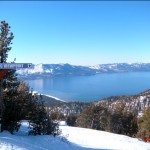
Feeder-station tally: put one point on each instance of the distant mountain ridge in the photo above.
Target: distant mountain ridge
(50, 70)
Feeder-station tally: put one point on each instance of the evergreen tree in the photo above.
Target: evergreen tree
(85, 118)
(57, 115)
(94, 117)
(17, 104)
(71, 120)
(5, 40)
(130, 126)
(40, 122)
(99, 121)
(11, 82)
(123, 122)
(144, 123)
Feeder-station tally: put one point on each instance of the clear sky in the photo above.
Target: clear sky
(79, 33)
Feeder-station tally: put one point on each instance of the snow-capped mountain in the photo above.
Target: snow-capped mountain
(122, 67)
(67, 69)
(55, 70)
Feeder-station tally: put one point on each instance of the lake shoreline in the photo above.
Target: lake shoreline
(49, 99)
(91, 88)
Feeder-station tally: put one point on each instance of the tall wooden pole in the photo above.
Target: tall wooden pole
(1, 105)
(2, 74)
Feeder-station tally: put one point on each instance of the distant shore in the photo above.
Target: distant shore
(49, 99)
(56, 98)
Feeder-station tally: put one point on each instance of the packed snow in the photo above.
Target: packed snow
(71, 138)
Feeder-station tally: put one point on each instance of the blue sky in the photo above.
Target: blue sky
(79, 33)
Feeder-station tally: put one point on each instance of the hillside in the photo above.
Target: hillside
(72, 138)
(135, 104)
(51, 70)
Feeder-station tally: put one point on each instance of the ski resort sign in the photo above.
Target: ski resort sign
(15, 65)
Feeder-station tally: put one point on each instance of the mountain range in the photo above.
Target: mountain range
(50, 70)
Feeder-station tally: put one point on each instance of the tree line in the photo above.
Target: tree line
(117, 121)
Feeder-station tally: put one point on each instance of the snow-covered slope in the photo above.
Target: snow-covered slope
(76, 139)
(136, 104)
(102, 140)
(67, 69)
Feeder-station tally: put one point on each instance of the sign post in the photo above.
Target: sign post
(4, 69)
(2, 74)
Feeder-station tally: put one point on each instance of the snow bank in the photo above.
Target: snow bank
(102, 140)
(62, 123)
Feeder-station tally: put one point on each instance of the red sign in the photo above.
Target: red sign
(3, 73)
(147, 139)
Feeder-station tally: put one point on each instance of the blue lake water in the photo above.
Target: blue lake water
(91, 88)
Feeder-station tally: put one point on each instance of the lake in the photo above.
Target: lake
(92, 88)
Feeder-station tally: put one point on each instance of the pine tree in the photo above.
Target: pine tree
(94, 117)
(84, 119)
(40, 122)
(5, 40)
(123, 122)
(16, 102)
(71, 120)
(144, 123)
(10, 83)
